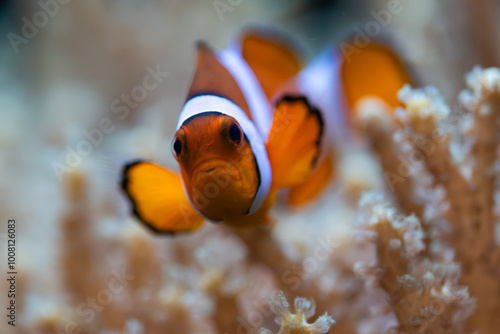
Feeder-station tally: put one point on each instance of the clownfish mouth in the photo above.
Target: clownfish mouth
(213, 171)
(218, 190)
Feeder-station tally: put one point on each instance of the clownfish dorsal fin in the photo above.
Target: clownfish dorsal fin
(211, 77)
(273, 60)
(158, 199)
(294, 141)
(373, 70)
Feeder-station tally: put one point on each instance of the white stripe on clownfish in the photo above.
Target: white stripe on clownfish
(259, 106)
(320, 81)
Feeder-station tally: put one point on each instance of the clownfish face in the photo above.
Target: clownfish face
(217, 165)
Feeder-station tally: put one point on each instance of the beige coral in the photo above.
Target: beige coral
(296, 323)
(424, 295)
(455, 153)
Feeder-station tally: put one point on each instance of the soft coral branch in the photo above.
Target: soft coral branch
(423, 295)
(296, 323)
(375, 121)
(469, 182)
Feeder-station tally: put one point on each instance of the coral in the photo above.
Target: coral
(424, 295)
(296, 323)
(448, 161)
(372, 115)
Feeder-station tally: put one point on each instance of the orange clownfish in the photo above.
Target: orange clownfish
(236, 143)
(248, 130)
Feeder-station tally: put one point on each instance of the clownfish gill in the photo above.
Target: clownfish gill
(250, 127)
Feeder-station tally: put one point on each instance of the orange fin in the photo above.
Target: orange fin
(273, 60)
(314, 184)
(374, 70)
(158, 198)
(294, 141)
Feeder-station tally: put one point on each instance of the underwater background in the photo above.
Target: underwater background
(417, 256)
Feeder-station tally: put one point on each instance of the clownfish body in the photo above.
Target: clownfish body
(246, 131)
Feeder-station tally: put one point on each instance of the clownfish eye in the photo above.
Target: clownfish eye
(177, 147)
(234, 133)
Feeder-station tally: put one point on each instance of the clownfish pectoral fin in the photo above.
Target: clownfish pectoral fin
(374, 70)
(273, 60)
(158, 198)
(294, 141)
(314, 185)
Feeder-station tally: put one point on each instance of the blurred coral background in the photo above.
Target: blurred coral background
(74, 230)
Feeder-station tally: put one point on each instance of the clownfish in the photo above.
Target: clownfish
(247, 130)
